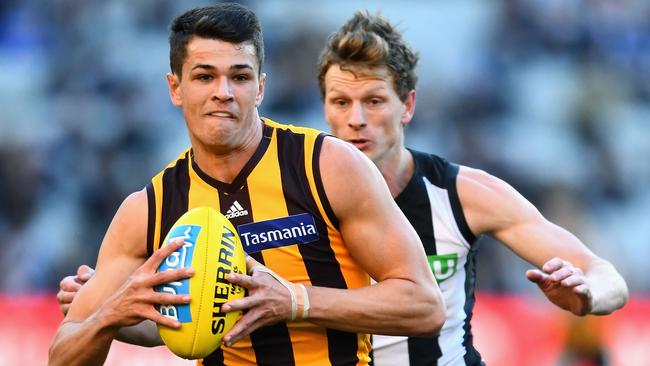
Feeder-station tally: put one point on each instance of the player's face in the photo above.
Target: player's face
(362, 107)
(219, 92)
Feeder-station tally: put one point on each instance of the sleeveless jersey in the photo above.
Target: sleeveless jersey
(430, 202)
(284, 220)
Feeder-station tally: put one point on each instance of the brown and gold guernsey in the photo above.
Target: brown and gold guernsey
(284, 220)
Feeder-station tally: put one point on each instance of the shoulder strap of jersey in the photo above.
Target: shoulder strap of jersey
(443, 173)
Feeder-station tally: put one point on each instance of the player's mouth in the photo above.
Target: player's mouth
(221, 114)
(360, 144)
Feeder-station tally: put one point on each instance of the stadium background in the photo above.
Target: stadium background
(551, 95)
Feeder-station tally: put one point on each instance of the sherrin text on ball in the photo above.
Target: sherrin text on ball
(213, 249)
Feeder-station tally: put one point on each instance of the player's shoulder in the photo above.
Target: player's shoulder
(347, 174)
(478, 187)
(133, 210)
(489, 202)
(180, 162)
(135, 203)
(130, 222)
(473, 176)
(341, 163)
(485, 185)
(342, 155)
(438, 170)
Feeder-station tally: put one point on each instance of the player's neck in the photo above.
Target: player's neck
(397, 169)
(224, 165)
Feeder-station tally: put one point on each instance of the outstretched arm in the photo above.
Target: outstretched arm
(120, 293)
(569, 274)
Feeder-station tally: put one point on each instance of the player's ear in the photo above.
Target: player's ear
(174, 89)
(409, 108)
(260, 90)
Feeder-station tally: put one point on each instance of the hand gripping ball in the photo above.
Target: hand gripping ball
(212, 247)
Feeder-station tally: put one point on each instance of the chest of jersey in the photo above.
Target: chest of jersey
(283, 218)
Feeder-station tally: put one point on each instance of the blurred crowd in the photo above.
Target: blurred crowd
(553, 96)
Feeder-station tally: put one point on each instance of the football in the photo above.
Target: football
(213, 248)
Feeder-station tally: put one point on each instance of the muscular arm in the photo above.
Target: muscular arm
(405, 301)
(120, 292)
(143, 334)
(572, 276)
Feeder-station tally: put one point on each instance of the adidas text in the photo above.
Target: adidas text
(236, 210)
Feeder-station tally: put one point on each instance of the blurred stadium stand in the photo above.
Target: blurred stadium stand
(551, 95)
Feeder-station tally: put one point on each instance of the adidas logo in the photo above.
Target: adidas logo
(236, 211)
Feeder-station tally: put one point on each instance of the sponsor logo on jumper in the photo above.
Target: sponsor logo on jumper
(443, 266)
(236, 210)
(295, 229)
(181, 258)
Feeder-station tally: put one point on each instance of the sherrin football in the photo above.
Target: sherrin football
(213, 248)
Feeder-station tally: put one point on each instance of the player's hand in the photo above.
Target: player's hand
(69, 286)
(564, 284)
(268, 301)
(135, 301)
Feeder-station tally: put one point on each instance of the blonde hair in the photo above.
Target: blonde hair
(366, 42)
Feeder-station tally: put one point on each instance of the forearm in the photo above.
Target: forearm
(392, 307)
(143, 334)
(608, 289)
(84, 343)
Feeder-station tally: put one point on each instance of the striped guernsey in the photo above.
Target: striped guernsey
(279, 207)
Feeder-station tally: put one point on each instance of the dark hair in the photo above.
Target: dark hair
(230, 22)
(370, 41)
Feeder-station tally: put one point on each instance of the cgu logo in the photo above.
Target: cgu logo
(443, 266)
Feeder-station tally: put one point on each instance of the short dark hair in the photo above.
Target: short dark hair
(370, 41)
(230, 22)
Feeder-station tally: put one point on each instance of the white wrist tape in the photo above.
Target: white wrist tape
(303, 303)
(288, 285)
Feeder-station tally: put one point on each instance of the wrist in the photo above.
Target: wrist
(298, 295)
(106, 321)
(302, 302)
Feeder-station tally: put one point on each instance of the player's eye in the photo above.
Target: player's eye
(204, 77)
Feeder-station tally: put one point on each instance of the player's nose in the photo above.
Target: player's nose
(357, 118)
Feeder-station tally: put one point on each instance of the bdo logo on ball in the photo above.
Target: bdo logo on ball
(181, 258)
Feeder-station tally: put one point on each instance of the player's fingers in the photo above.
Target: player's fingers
(251, 264)
(169, 299)
(161, 254)
(243, 327)
(241, 304)
(69, 284)
(84, 272)
(158, 318)
(242, 280)
(535, 275)
(553, 265)
(573, 280)
(64, 297)
(160, 278)
(562, 273)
